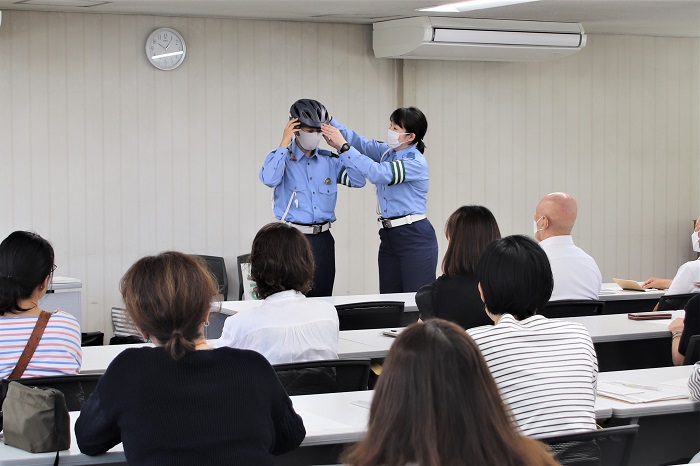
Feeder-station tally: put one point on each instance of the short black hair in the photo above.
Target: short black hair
(281, 260)
(515, 277)
(26, 259)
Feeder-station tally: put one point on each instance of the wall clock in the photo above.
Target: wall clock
(165, 49)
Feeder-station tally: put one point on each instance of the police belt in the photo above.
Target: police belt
(311, 229)
(397, 222)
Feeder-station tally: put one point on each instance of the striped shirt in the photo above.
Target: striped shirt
(694, 382)
(58, 351)
(546, 371)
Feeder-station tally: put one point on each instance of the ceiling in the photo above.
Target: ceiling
(674, 18)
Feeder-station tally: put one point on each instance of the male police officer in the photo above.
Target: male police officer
(305, 181)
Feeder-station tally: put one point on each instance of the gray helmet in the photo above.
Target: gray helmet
(311, 113)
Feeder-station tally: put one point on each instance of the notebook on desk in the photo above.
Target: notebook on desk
(629, 285)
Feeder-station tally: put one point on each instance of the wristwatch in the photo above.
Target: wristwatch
(344, 148)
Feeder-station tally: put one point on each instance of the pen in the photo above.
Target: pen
(644, 387)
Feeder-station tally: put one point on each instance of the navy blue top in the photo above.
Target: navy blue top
(456, 299)
(691, 323)
(213, 407)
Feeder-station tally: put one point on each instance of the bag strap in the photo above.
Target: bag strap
(33, 342)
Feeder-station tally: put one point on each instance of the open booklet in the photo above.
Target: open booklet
(638, 393)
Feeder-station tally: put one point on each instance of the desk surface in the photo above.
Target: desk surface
(618, 327)
(650, 377)
(371, 343)
(608, 292)
(329, 419)
(408, 298)
(613, 292)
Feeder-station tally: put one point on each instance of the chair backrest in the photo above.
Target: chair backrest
(674, 301)
(572, 308)
(372, 314)
(327, 376)
(76, 388)
(245, 284)
(692, 352)
(216, 325)
(601, 447)
(217, 266)
(122, 325)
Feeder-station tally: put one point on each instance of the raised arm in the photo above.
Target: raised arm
(272, 170)
(387, 173)
(369, 147)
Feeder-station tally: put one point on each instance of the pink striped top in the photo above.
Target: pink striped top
(58, 351)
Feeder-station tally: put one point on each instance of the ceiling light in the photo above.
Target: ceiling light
(472, 5)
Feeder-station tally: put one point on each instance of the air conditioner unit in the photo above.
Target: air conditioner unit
(440, 38)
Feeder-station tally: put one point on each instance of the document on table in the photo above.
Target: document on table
(639, 393)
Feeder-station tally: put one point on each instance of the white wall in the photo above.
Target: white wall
(111, 159)
(616, 125)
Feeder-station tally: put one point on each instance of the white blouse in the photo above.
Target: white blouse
(287, 327)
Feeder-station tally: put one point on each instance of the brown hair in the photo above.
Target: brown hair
(437, 404)
(468, 230)
(280, 260)
(168, 296)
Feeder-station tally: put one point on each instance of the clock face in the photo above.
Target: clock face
(165, 49)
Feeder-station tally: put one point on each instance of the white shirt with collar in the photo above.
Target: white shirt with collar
(576, 274)
(684, 282)
(287, 327)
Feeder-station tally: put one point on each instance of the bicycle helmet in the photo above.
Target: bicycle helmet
(311, 113)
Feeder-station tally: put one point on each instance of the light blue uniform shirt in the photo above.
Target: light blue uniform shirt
(401, 177)
(310, 183)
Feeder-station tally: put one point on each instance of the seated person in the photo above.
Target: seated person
(437, 404)
(684, 328)
(26, 268)
(687, 275)
(287, 327)
(454, 295)
(184, 402)
(545, 369)
(576, 274)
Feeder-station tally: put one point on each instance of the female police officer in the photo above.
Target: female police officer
(408, 250)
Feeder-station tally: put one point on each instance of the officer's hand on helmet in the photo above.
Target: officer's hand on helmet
(333, 136)
(291, 129)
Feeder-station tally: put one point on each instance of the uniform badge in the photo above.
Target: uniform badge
(327, 181)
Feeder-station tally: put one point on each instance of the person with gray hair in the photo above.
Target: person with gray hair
(576, 274)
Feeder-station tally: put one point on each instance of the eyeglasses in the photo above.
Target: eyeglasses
(53, 268)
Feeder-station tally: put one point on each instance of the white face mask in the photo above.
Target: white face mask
(392, 138)
(308, 141)
(534, 226)
(694, 239)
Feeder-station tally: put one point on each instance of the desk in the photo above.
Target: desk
(672, 424)
(619, 301)
(330, 419)
(409, 299)
(64, 293)
(623, 344)
(620, 343)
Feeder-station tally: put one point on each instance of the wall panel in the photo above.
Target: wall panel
(112, 159)
(615, 125)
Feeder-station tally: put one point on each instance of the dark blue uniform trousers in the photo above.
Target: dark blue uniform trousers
(323, 248)
(407, 257)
